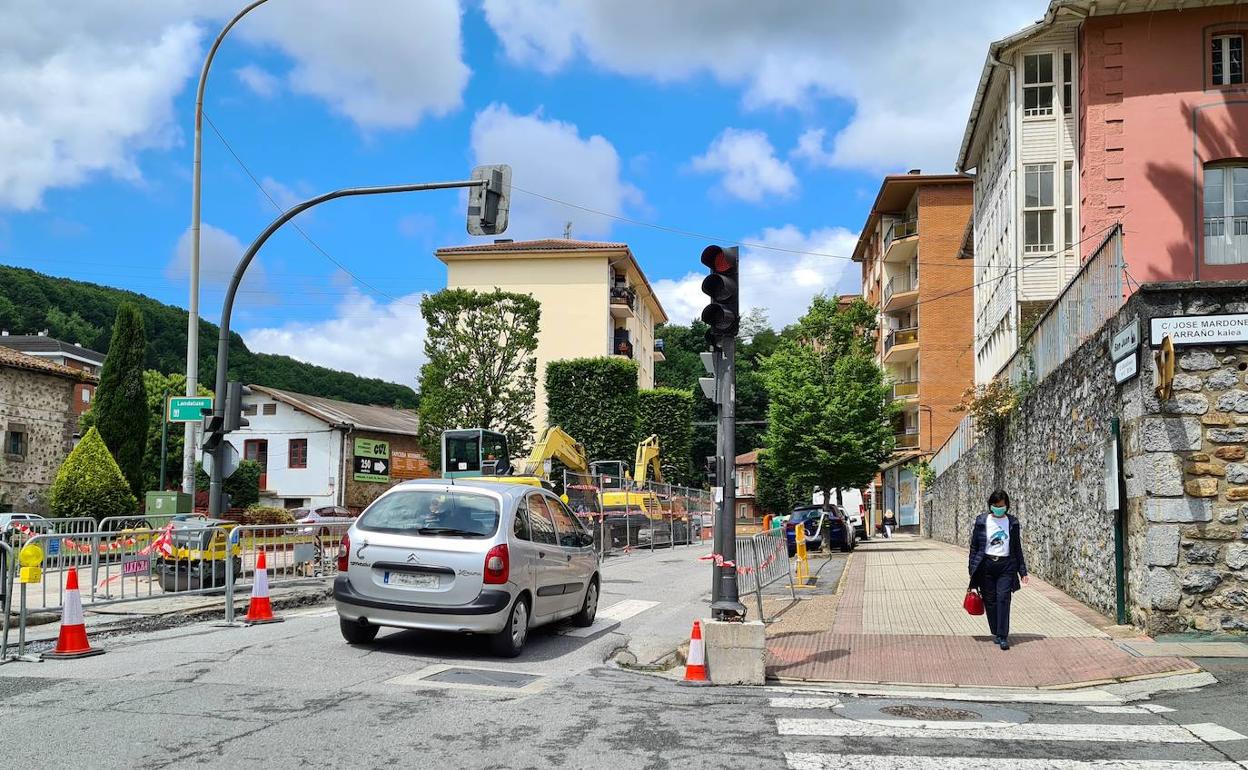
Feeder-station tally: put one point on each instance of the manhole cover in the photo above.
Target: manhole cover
(482, 678)
(929, 713)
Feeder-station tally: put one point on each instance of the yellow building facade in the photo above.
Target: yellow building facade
(595, 299)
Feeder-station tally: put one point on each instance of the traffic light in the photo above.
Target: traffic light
(710, 468)
(213, 430)
(234, 392)
(488, 203)
(723, 313)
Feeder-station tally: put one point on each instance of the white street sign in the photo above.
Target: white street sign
(1127, 368)
(1125, 341)
(1200, 329)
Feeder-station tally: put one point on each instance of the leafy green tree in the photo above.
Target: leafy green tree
(482, 365)
(72, 328)
(157, 386)
(89, 483)
(10, 318)
(668, 414)
(595, 400)
(243, 485)
(829, 415)
(121, 409)
(774, 490)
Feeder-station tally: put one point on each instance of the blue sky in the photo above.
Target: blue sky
(764, 123)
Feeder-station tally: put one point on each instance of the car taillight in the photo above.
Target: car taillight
(344, 549)
(497, 565)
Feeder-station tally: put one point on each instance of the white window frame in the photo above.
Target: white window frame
(1068, 204)
(1040, 86)
(1226, 235)
(1049, 209)
(1220, 54)
(1068, 82)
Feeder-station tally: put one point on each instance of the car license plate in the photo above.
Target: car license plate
(410, 580)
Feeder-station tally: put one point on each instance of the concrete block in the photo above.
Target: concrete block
(1178, 509)
(1161, 546)
(1181, 434)
(736, 653)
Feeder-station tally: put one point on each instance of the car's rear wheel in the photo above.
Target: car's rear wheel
(848, 544)
(589, 610)
(357, 631)
(509, 642)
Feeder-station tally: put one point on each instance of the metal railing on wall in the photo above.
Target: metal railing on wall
(1091, 297)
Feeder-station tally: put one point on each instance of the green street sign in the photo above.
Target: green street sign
(188, 408)
(372, 460)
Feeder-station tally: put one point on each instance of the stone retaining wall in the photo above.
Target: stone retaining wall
(1184, 464)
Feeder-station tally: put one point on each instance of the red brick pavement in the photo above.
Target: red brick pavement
(843, 653)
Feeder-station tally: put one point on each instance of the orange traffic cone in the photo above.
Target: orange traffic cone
(695, 664)
(72, 641)
(259, 610)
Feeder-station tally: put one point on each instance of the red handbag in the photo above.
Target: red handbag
(973, 603)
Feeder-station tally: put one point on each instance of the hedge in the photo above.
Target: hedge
(596, 401)
(668, 414)
(243, 486)
(90, 483)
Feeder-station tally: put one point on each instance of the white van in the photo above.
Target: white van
(855, 509)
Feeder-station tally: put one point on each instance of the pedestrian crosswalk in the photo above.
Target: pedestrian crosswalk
(823, 732)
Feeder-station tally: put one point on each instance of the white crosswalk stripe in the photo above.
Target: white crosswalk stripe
(819, 743)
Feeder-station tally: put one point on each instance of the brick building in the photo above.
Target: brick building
(38, 422)
(915, 271)
(63, 353)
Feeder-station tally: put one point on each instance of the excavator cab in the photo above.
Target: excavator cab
(474, 452)
(611, 474)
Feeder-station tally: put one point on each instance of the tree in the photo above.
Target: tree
(242, 486)
(89, 483)
(668, 414)
(596, 401)
(157, 386)
(72, 328)
(775, 491)
(829, 415)
(121, 409)
(482, 366)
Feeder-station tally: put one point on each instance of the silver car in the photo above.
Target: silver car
(467, 556)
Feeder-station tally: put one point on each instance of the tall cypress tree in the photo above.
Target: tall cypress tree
(120, 412)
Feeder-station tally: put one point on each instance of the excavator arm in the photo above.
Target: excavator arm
(555, 444)
(647, 461)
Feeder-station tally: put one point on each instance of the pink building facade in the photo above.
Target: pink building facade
(1163, 147)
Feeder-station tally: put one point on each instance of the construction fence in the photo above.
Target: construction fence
(626, 517)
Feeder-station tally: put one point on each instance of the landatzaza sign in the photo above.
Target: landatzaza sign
(1200, 329)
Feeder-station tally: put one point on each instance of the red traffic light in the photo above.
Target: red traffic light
(719, 260)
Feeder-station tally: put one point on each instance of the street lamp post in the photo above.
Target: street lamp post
(192, 322)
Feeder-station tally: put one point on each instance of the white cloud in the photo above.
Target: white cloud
(259, 81)
(751, 170)
(551, 158)
(364, 336)
(85, 88)
(219, 253)
(285, 195)
(776, 279)
(908, 67)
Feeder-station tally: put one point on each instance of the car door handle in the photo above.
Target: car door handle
(541, 554)
(569, 557)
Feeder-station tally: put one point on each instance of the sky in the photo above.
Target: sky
(663, 125)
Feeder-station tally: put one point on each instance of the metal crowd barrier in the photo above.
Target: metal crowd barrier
(292, 552)
(762, 559)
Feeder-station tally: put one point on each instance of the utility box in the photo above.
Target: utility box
(157, 503)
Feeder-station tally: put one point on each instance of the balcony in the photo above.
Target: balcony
(901, 240)
(907, 438)
(901, 345)
(905, 390)
(659, 346)
(901, 292)
(623, 301)
(621, 345)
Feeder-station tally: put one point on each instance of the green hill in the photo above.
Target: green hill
(79, 312)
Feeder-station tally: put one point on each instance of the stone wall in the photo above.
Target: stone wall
(43, 405)
(1184, 466)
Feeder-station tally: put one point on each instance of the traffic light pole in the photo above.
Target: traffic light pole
(215, 498)
(725, 595)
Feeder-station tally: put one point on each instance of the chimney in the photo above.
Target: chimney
(43, 333)
(915, 171)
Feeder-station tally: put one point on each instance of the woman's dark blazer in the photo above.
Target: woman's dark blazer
(979, 546)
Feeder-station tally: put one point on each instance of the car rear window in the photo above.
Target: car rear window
(432, 513)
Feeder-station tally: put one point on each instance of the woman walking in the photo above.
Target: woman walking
(996, 563)
(890, 521)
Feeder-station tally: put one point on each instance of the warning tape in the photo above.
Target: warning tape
(163, 542)
(719, 560)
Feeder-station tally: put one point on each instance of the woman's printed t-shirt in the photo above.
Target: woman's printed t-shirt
(998, 532)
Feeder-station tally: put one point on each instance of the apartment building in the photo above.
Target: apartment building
(595, 299)
(1102, 113)
(915, 271)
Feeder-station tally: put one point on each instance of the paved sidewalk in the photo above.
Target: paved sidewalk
(899, 620)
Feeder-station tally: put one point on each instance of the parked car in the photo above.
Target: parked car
(835, 532)
(858, 520)
(331, 513)
(474, 557)
(9, 532)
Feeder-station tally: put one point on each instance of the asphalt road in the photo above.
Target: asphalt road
(293, 694)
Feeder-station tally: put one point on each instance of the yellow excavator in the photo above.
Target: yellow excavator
(645, 511)
(553, 444)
